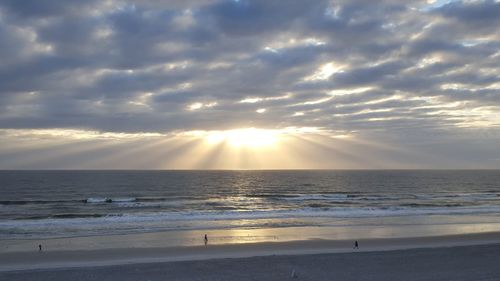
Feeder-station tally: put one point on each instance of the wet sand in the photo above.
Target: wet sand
(361, 229)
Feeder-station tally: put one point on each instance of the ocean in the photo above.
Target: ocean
(49, 204)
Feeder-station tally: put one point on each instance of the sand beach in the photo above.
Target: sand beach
(449, 257)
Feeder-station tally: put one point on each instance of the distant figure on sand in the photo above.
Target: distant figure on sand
(356, 246)
(40, 247)
(206, 239)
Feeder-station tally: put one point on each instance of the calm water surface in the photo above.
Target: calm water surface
(37, 204)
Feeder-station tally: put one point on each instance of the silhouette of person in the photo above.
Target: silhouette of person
(206, 239)
(356, 246)
(40, 247)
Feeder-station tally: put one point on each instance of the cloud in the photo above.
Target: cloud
(124, 67)
(45, 8)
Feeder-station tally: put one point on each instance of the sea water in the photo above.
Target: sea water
(48, 204)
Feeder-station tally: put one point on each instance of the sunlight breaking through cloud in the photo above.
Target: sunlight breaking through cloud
(325, 72)
(95, 76)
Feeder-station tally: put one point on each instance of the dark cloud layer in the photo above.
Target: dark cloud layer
(405, 68)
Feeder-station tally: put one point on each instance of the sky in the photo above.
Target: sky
(209, 84)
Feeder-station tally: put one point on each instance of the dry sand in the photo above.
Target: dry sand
(458, 257)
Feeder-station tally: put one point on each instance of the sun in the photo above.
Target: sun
(247, 138)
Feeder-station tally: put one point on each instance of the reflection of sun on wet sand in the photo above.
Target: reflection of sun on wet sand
(453, 257)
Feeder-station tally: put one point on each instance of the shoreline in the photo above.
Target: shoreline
(331, 229)
(47, 260)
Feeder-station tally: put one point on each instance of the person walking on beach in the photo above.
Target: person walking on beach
(39, 247)
(206, 239)
(356, 246)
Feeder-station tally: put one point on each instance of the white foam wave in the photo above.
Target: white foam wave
(147, 222)
(459, 196)
(123, 199)
(337, 212)
(96, 200)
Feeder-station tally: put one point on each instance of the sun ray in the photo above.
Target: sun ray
(250, 138)
(213, 156)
